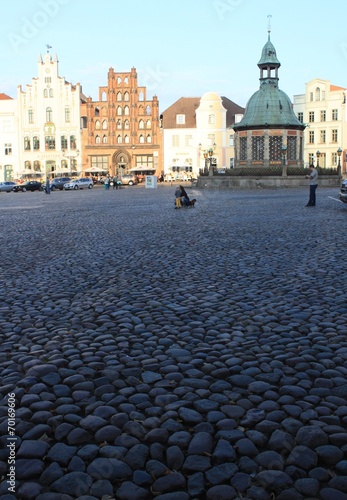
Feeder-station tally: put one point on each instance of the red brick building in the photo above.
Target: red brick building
(120, 131)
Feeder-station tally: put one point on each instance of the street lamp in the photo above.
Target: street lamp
(318, 155)
(72, 159)
(284, 165)
(339, 152)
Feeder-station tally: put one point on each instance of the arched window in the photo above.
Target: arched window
(317, 94)
(50, 92)
(97, 125)
(119, 124)
(141, 96)
(119, 96)
(49, 114)
(141, 124)
(27, 146)
(126, 80)
(45, 93)
(126, 110)
(126, 96)
(126, 139)
(119, 139)
(31, 116)
(148, 123)
(119, 80)
(73, 142)
(148, 110)
(141, 139)
(127, 124)
(104, 139)
(104, 96)
(104, 125)
(27, 165)
(149, 138)
(36, 143)
(119, 111)
(97, 139)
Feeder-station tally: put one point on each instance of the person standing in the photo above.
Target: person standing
(115, 182)
(313, 176)
(48, 186)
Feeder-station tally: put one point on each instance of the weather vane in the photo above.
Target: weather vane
(269, 23)
(48, 47)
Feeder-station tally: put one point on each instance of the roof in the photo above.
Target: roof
(188, 105)
(268, 56)
(335, 87)
(4, 97)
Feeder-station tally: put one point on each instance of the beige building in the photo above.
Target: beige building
(197, 135)
(49, 124)
(323, 109)
(8, 138)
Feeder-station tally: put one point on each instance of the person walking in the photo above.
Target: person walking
(115, 182)
(48, 186)
(313, 176)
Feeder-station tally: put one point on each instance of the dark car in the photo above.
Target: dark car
(343, 191)
(28, 186)
(58, 183)
(7, 186)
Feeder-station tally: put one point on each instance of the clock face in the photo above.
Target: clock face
(47, 70)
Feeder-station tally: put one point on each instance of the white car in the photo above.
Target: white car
(83, 182)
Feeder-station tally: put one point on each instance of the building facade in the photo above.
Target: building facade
(8, 138)
(121, 129)
(49, 124)
(197, 135)
(269, 133)
(323, 109)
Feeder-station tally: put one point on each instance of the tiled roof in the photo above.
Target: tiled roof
(4, 97)
(335, 87)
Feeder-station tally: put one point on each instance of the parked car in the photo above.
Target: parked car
(343, 191)
(83, 182)
(129, 179)
(7, 186)
(28, 186)
(58, 183)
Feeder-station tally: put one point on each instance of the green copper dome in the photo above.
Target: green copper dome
(269, 107)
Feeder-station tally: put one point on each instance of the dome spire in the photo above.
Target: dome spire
(269, 26)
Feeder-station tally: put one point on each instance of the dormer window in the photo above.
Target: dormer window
(180, 119)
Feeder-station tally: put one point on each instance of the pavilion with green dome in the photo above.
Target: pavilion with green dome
(269, 132)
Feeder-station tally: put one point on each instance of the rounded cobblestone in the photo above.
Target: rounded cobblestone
(194, 353)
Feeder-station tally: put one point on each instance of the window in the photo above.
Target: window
(97, 139)
(119, 125)
(119, 111)
(291, 148)
(311, 96)
(73, 144)
(8, 149)
(127, 124)
(145, 161)
(127, 111)
(37, 166)
(97, 125)
(141, 124)
(323, 116)
(276, 148)
(148, 138)
(311, 137)
(101, 162)
(104, 96)
(322, 136)
(36, 143)
(27, 165)
(231, 140)
(188, 140)
(311, 116)
(243, 148)
(49, 114)
(119, 96)
(301, 117)
(317, 94)
(126, 139)
(334, 135)
(50, 92)
(104, 139)
(148, 110)
(67, 115)
(45, 93)
(257, 148)
(141, 139)
(31, 116)
(211, 119)
(27, 144)
(334, 114)
(175, 141)
(148, 124)
(119, 139)
(104, 125)
(126, 96)
(49, 142)
(180, 119)
(334, 158)
(96, 112)
(63, 142)
(48, 79)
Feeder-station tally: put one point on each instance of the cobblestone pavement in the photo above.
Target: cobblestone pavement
(148, 352)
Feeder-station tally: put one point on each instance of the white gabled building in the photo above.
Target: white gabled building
(323, 110)
(197, 135)
(49, 124)
(8, 138)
